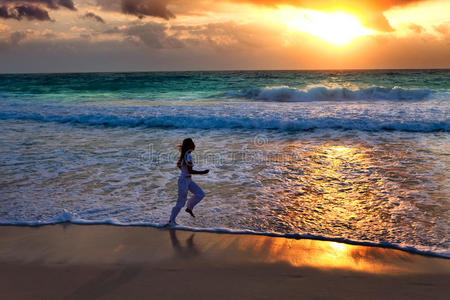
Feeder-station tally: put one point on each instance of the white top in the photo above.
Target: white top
(184, 168)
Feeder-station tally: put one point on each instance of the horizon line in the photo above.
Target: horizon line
(223, 70)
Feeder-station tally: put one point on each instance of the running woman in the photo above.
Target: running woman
(185, 182)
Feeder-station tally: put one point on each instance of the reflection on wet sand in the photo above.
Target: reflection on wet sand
(116, 245)
(188, 251)
(306, 253)
(329, 255)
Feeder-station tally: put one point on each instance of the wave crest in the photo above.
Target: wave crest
(322, 93)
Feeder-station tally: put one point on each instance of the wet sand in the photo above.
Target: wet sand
(67, 261)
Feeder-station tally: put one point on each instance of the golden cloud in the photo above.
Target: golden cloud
(369, 11)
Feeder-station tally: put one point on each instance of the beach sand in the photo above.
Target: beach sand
(68, 261)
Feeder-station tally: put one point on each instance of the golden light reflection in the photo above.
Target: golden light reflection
(335, 186)
(104, 244)
(338, 27)
(331, 255)
(356, 191)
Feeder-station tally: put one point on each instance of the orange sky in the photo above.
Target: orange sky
(141, 35)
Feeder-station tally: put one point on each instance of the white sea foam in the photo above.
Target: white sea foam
(415, 117)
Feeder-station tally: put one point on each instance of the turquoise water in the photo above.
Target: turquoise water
(359, 156)
(172, 86)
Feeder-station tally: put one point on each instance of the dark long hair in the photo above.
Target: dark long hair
(184, 147)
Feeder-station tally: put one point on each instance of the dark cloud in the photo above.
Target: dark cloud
(31, 9)
(91, 15)
(67, 4)
(51, 4)
(142, 8)
(22, 11)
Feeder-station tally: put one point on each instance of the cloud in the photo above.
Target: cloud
(382, 4)
(227, 45)
(142, 8)
(416, 28)
(17, 36)
(67, 4)
(226, 35)
(31, 9)
(91, 15)
(369, 11)
(152, 34)
(22, 11)
(50, 4)
(374, 5)
(13, 39)
(223, 36)
(4, 28)
(443, 29)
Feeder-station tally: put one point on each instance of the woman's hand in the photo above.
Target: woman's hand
(192, 171)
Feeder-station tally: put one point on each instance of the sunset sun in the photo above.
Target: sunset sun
(338, 28)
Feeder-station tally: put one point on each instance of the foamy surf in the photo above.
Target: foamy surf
(289, 117)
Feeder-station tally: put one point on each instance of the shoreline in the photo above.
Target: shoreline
(111, 262)
(293, 236)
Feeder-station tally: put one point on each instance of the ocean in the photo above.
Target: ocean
(357, 156)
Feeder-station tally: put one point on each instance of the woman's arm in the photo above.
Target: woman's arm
(192, 171)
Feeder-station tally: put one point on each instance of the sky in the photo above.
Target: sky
(158, 35)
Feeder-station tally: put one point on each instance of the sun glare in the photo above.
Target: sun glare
(338, 28)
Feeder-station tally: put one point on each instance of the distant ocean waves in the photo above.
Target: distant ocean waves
(413, 117)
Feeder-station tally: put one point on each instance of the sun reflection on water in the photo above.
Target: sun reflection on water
(354, 191)
(335, 185)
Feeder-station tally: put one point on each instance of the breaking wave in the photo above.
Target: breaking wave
(321, 93)
(224, 121)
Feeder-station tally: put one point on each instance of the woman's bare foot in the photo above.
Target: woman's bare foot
(170, 224)
(190, 212)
